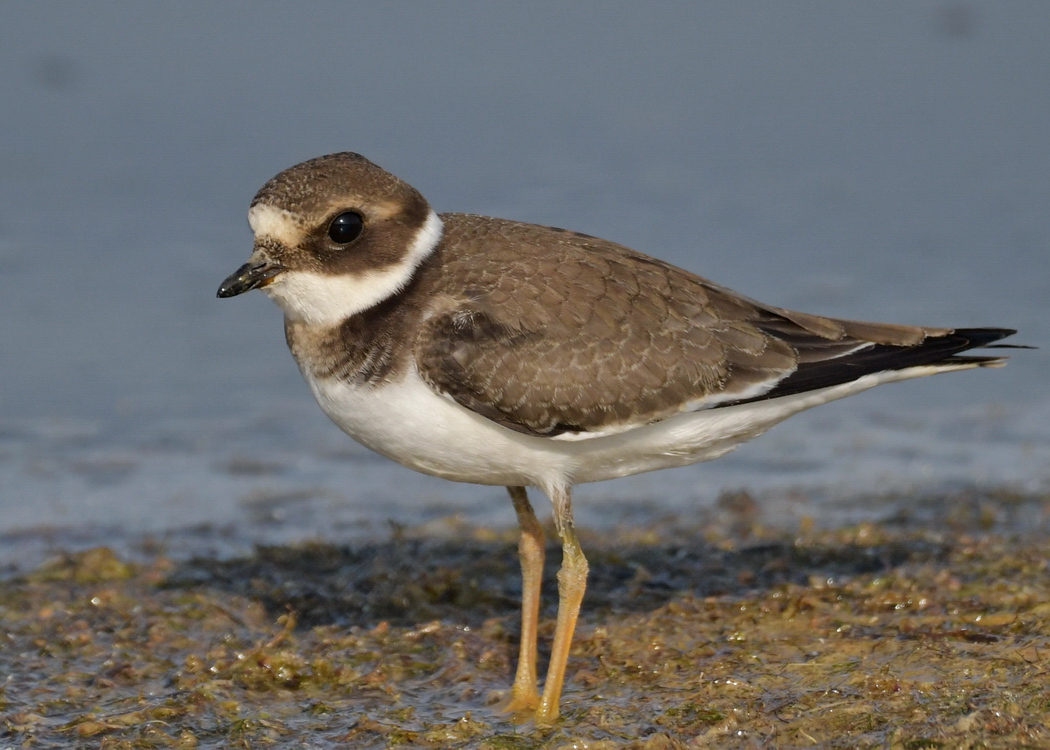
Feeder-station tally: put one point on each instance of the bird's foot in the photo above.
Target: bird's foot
(520, 702)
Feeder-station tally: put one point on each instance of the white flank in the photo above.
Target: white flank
(323, 300)
(421, 429)
(689, 406)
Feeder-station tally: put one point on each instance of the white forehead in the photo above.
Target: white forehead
(275, 224)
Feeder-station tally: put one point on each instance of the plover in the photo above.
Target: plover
(495, 352)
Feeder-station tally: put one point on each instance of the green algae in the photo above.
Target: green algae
(880, 635)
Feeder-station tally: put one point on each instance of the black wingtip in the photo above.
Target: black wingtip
(981, 336)
(934, 350)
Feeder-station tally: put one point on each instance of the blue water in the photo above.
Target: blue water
(880, 162)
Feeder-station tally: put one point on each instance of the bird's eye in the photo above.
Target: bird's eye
(346, 227)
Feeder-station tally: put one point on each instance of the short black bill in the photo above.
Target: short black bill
(247, 277)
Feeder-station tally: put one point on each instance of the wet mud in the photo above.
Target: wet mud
(925, 630)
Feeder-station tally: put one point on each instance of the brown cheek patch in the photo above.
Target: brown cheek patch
(378, 249)
(390, 229)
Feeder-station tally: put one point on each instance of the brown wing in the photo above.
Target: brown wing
(558, 332)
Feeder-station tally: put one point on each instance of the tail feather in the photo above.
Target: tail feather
(942, 349)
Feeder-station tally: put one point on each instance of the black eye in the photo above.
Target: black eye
(346, 227)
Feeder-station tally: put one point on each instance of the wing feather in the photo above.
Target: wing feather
(555, 332)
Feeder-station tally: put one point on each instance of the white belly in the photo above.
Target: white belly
(411, 424)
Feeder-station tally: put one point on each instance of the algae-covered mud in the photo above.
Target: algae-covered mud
(899, 634)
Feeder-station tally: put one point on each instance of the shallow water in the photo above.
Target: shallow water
(884, 163)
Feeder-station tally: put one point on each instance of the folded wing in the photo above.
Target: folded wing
(579, 335)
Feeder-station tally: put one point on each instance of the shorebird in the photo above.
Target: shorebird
(495, 352)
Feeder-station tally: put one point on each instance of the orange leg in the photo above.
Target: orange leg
(524, 696)
(572, 581)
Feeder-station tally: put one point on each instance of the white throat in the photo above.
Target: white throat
(321, 300)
